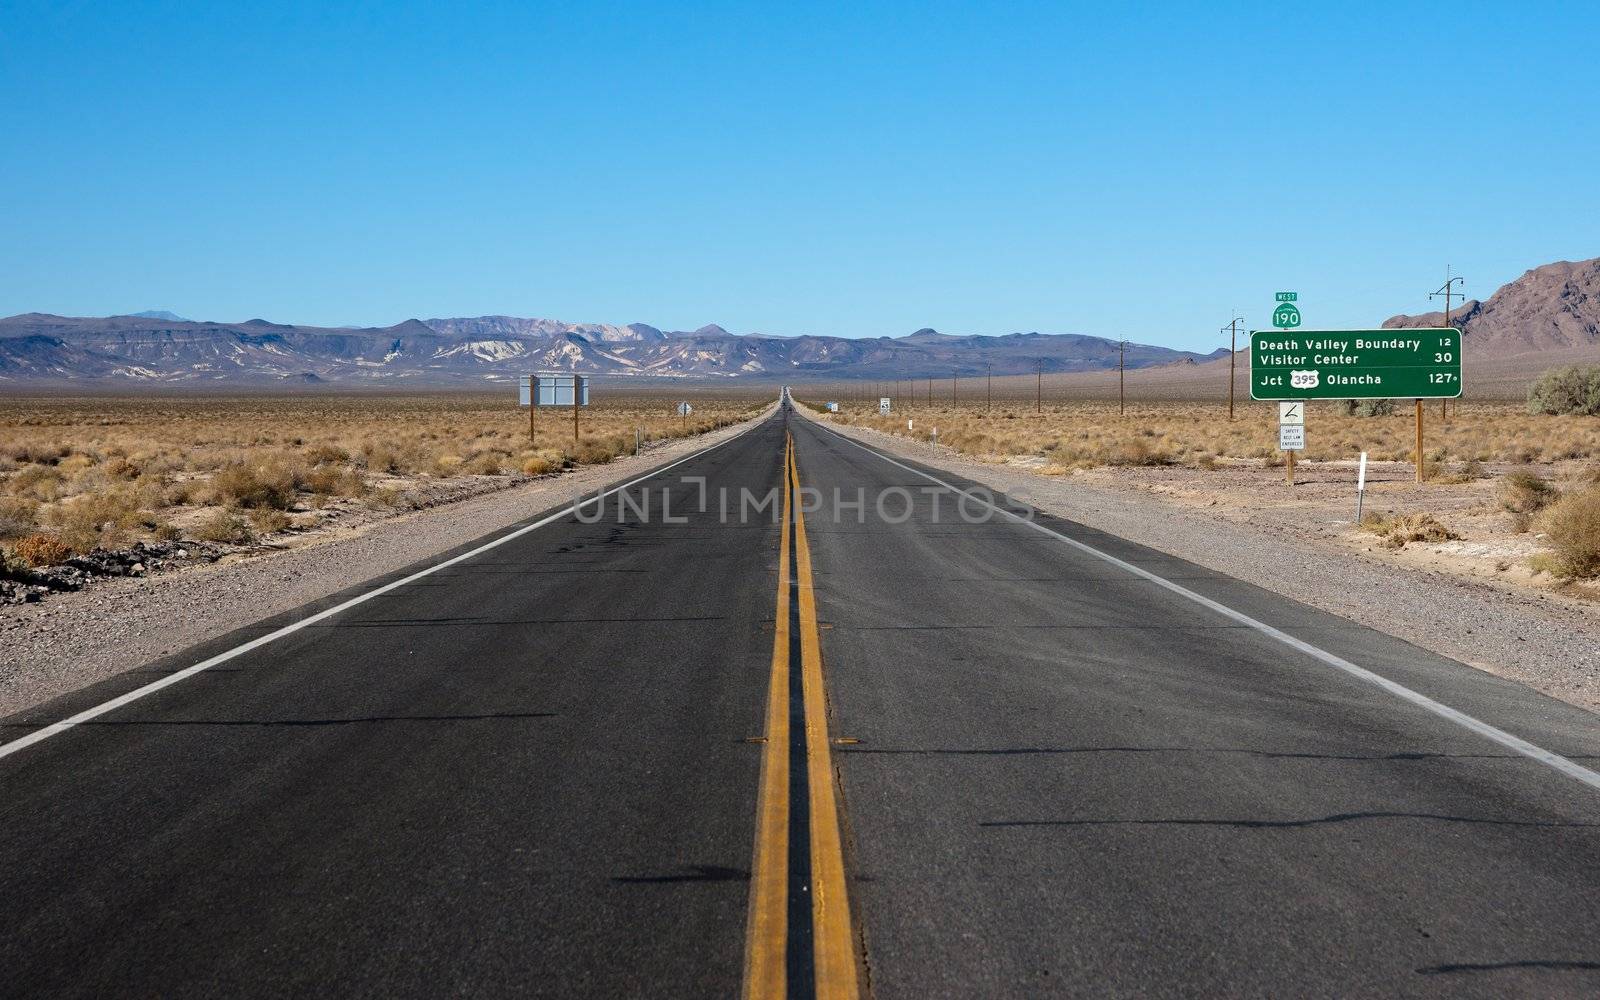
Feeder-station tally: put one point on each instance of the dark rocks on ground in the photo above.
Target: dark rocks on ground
(139, 559)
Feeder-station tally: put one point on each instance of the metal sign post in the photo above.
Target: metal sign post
(1291, 434)
(525, 397)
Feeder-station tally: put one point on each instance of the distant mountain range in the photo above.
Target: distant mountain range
(40, 348)
(1554, 310)
(1551, 308)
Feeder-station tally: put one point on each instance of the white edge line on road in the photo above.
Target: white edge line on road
(56, 728)
(1500, 736)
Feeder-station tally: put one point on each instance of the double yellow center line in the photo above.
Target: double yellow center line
(789, 946)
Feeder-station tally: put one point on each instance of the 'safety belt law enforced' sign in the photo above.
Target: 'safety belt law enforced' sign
(1355, 364)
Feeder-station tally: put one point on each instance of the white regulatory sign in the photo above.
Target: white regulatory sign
(1293, 412)
(1291, 437)
(883, 406)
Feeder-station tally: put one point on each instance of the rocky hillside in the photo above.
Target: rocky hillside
(40, 348)
(1549, 309)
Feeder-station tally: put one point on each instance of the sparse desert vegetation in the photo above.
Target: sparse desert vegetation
(77, 474)
(1090, 434)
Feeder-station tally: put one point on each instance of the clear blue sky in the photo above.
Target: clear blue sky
(856, 169)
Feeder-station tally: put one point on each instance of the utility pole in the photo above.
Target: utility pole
(1122, 349)
(952, 388)
(930, 392)
(1038, 387)
(989, 403)
(1449, 283)
(1233, 351)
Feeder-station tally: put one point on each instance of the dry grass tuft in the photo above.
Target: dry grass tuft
(225, 527)
(1572, 530)
(1397, 532)
(1524, 492)
(42, 550)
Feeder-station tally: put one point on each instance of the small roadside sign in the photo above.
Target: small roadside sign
(1291, 437)
(684, 409)
(1288, 296)
(883, 406)
(1291, 413)
(833, 407)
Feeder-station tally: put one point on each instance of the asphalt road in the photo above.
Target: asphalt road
(537, 771)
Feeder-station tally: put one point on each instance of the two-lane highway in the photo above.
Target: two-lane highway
(814, 721)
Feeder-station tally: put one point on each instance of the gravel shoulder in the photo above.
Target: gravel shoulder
(1542, 640)
(76, 639)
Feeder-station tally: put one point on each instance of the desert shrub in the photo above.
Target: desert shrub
(327, 454)
(1367, 407)
(225, 527)
(42, 550)
(329, 481)
(38, 452)
(37, 481)
(267, 520)
(1524, 492)
(1135, 452)
(94, 520)
(1570, 389)
(542, 464)
(486, 463)
(271, 486)
(1572, 529)
(388, 496)
(1396, 532)
(598, 451)
(18, 516)
(119, 468)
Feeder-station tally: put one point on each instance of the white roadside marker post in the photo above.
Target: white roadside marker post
(1361, 486)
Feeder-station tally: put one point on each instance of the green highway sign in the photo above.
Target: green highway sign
(1355, 364)
(1286, 317)
(1288, 296)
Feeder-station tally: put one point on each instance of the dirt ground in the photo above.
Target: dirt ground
(1494, 546)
